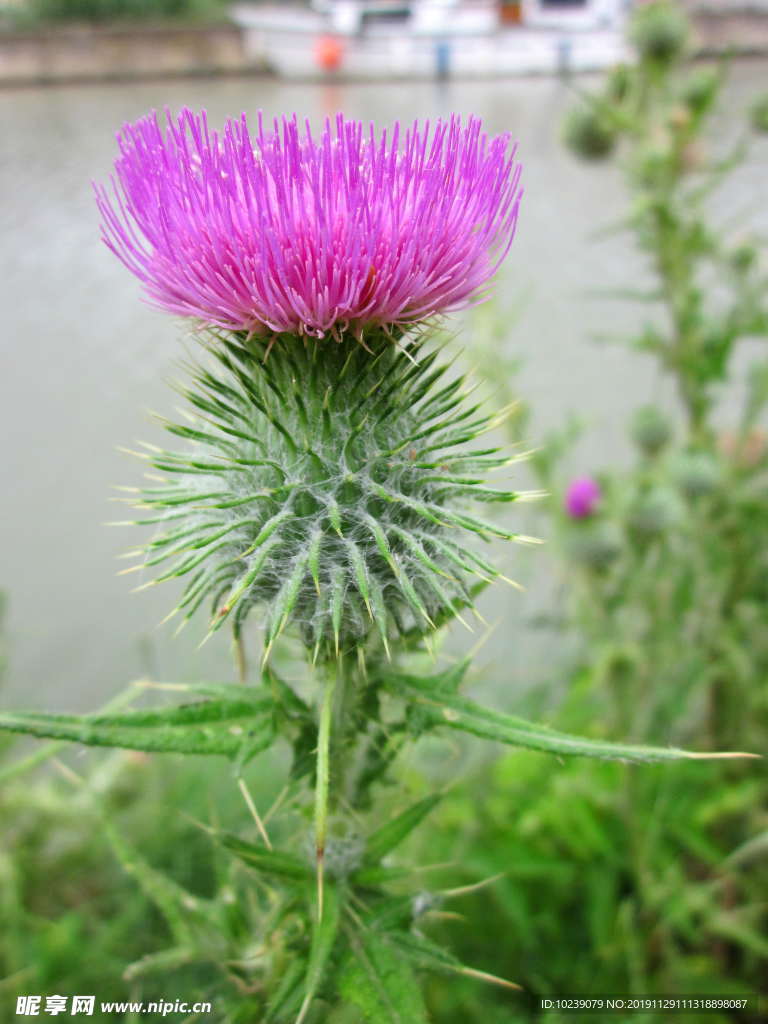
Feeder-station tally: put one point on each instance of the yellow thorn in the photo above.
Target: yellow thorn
(205, 639)
(144, 586)
(267, 652)
(464, 889)
(463, 621)
(130, 451)
(168, 617)
(479, 617)
(470, 972)
(254, 813)
(512, 583)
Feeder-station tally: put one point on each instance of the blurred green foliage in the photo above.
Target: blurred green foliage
(84, 913)
(58, 11)
(617, 880)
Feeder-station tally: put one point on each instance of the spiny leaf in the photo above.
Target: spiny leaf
(385, 839)
(241, 585)
(411, 595)
(181, 910)
(163, 961)
(275, 863)
(334, 515)
(449, 709)
(287, 997)
(418, 551)
(221, 726)
(285, 600)
(324, 932)
(379, 613)
(428, 955)
(381, 541)
(378, 980)
(361, 574)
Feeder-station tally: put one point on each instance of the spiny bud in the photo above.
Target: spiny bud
(697, 474)
(596, 546)
(653, 513)
(326, 484)
(700, 89)
(588, 133)
(650, 429)
(659, 32)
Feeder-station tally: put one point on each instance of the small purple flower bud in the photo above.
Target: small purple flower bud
(582, 497)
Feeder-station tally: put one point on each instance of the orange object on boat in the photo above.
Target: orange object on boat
(329, 52)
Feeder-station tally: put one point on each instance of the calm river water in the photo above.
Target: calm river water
(83, 360)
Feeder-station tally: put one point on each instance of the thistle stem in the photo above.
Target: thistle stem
(241, 663)
(323, 776)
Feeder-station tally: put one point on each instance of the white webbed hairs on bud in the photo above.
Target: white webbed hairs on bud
(326, 485)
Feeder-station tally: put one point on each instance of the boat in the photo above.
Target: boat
(429, 39)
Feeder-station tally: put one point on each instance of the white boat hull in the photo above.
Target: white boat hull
(289, 45)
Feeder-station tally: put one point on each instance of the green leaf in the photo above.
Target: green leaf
(385, 839)
(287, 996)
(184, 913)
(324, 935)
(161, 962)
(426, 954)
(42, 754)
(444, 707)
(235, 727)
(381, 983)
(269, 862)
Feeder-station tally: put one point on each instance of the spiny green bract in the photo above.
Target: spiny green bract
(325, 484)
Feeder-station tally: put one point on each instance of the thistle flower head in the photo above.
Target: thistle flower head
(282, 231)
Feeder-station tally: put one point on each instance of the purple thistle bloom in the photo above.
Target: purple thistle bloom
(286, 232)
(582, 497)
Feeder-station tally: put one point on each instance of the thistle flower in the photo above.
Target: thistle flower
(325, 483)
(582, 497)
(285, 232)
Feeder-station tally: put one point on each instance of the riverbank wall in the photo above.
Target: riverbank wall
(102, 53)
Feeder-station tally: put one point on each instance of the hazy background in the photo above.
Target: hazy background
(83, 359)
